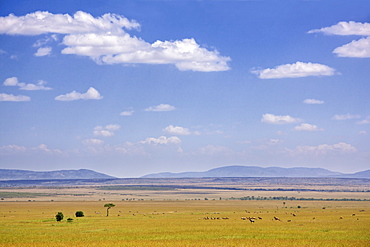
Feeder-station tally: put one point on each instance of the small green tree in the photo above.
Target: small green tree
(59, 216)
(80, 214)
(109, 206)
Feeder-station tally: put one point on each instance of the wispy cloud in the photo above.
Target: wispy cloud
(104, 40)
(161, 107)
(313, 101)
(345, 28)
(106, 131)
(127, 113)
(91, 93)
(345, 116)
(322, 149)
(298, 69)
(162, 140)
(273, 119)
(14, 98)
(13, 81)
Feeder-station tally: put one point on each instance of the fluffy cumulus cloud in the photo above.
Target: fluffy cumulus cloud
(14, 98)
(105, 40)
(298, 69)
(273, 119)
(13, 81)
(43, 51)
(161, 107)
(176, 130)
(106, 131)
(91, 93)
(313, 101)
(345, 116)
(322, 149)
(356, 48)
(307, 127)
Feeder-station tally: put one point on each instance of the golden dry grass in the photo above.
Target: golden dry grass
(185, 223)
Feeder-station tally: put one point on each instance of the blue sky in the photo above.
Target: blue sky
(135, 87)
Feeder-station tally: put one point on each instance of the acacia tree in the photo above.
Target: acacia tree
(109, 206)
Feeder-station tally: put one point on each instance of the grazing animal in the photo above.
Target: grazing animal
(260, 218)
(251, 220)
(225, 218)
(243, 218)
(276, 218)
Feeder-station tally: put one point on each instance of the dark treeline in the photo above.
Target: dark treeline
(286, 198)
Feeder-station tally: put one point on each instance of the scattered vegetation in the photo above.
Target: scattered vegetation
(264, 198)
(59, 216)
(135, 187)
(80, 214)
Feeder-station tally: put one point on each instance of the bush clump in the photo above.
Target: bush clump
(80, 214)
(59, 216)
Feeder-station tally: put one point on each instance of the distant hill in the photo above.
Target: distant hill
(9, 174)
(255, 171)
(363, 174)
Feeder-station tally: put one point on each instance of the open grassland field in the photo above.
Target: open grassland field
(186, 223)
(187, 212)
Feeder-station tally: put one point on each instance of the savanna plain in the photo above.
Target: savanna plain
(258, 215)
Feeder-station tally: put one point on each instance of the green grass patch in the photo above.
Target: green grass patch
(6, 194)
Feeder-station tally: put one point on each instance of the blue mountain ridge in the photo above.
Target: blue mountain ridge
(255, 171)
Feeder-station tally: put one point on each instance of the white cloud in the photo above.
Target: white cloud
(107, 130)
(42, 148)
(162, 140)
(161, 107)
(273, 119)
(345, 28)
(91, 93)
(43, 51)
(41, 22)
(313, 101)
(357, 48)
(345, 117)
(363, 132)
(298, 69)
(365, 121)
(104, 40)
(307, 127)
(93, 141)
(176, 130)
(14, 98)
(13, 81)
(112, 127)
(323, 149)
(127, 113)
